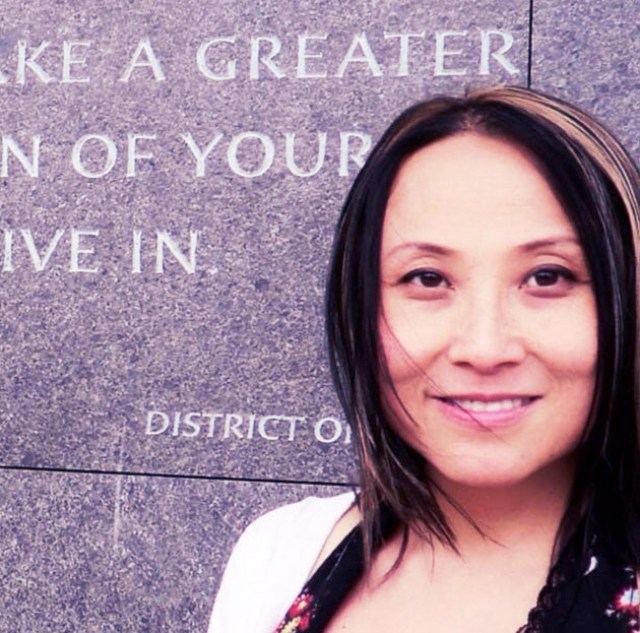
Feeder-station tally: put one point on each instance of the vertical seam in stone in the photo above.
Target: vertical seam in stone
(117, 513)
(530, 57)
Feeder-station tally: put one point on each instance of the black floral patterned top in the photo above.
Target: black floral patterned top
(603, 598)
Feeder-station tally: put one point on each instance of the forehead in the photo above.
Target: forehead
(470, 188)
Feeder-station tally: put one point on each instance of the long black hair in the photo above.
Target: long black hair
(598, 187)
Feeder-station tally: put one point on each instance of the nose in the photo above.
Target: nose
(486, 337)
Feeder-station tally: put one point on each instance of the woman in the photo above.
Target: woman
(482, 329)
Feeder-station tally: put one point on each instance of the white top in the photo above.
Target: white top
(271, 562)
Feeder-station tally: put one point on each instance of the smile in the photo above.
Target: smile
(506, 404)
(483, 411)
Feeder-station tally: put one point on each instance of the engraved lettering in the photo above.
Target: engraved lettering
(365, 57)
(109, 160)
(327, 430)
(268, 153)
(200, 155)
(403, 58)
(149, 61)
(31, 166)
(164, 240)
(132, 151)
(205, 69)
(257, 58)
(486, 53)
(442, 53)
(292, 166)
(157, 422)
(357, 157)
(76, 251)
(29, 62)
(40, 262)
(304, 56)
(71, 57)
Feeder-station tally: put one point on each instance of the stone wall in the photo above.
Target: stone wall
(170, 175)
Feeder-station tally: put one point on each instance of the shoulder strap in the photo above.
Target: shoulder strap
(331, 583)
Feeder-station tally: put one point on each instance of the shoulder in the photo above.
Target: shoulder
(271, 562)
(291, 535)
(317, 514)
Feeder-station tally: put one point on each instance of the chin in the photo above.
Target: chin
(501, 474)
(479, 481)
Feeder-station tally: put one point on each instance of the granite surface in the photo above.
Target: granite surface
(589, 53)
(122, 351)
(117, 554)
(162, 312)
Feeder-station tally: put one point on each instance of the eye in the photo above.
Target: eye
(426, 279)
(549, 277)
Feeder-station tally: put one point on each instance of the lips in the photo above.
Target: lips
(486, 411)
(491, 405)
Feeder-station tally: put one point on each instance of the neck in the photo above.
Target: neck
(513, 516)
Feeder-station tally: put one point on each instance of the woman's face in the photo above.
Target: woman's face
(488, 319)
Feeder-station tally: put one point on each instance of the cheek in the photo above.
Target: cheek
(407, 361)
(402, 377)
(411, 334)
(570, 343)
(572, 364)
(403, 357)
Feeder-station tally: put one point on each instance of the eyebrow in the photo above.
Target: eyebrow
(437, 249)
(552, 241)
(424, 247)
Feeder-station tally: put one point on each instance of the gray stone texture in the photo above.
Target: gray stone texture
(589, 54)
(86, 355)
(107, 519)
(114, 554)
